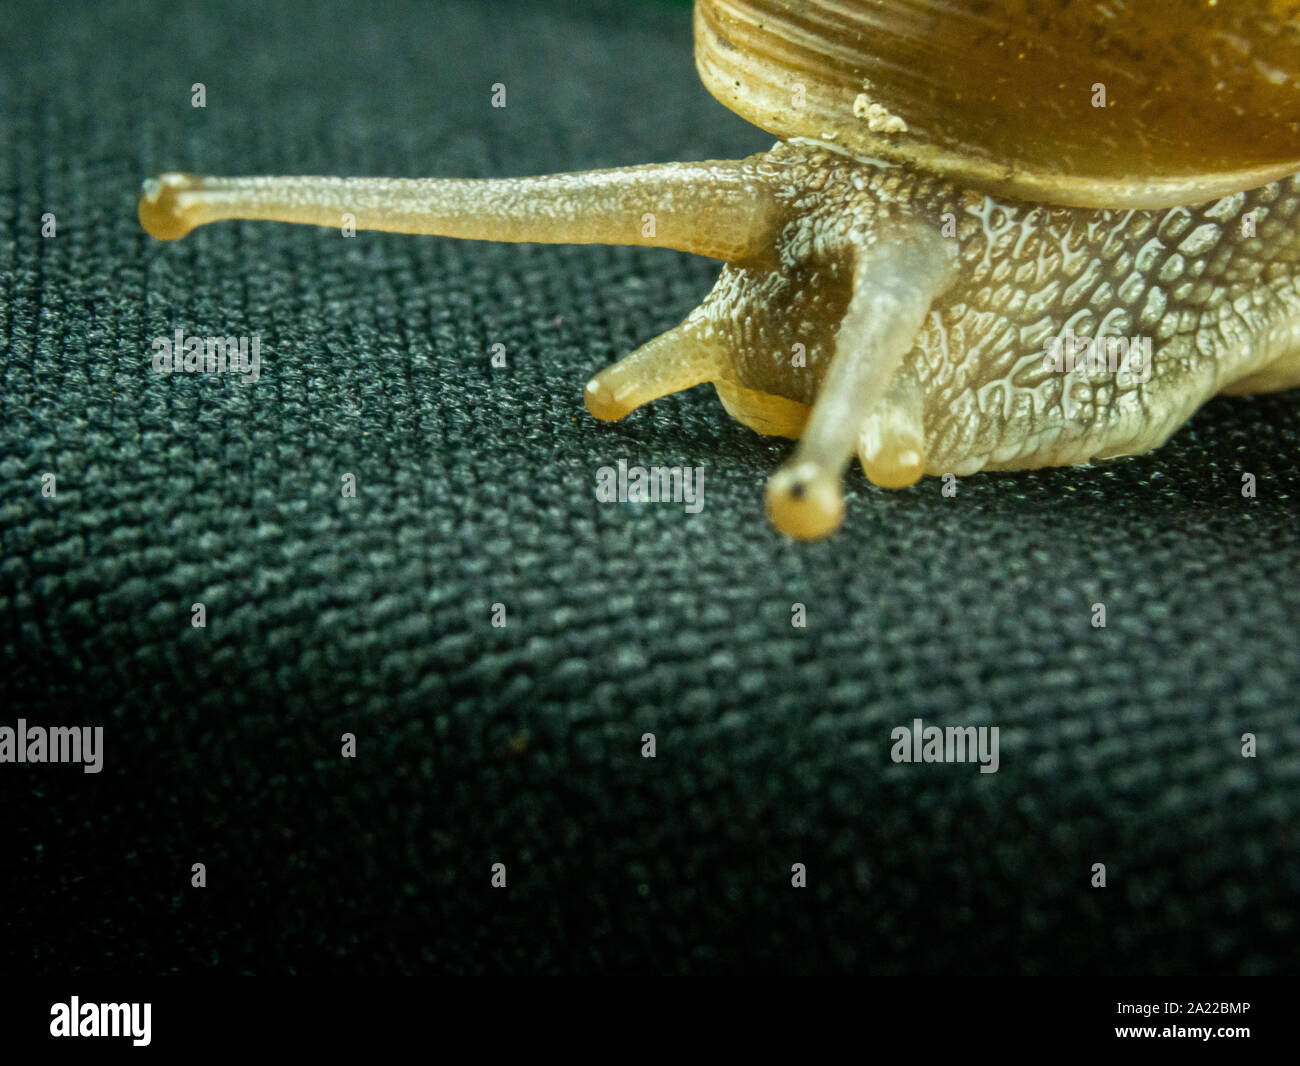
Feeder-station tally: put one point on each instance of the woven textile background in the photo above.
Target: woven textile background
(475, 486)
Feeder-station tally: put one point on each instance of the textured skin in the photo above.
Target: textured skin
(1219, 308)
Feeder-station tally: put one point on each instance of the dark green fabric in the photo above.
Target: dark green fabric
(521, 745)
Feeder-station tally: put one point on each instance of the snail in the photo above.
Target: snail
(972, 210)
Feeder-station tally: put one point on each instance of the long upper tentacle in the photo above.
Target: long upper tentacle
(896, 277)
(721, 209)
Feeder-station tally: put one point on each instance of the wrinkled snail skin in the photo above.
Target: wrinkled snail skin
(875, 307)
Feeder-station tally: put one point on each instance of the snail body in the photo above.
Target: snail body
(912, 273)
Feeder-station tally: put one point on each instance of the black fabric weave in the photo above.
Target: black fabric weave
(522, 745)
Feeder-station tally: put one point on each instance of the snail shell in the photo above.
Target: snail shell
(1126, 103)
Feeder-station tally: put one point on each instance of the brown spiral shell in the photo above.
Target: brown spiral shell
(1201, 97)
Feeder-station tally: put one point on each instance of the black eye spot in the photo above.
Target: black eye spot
(797, 490)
